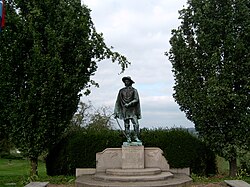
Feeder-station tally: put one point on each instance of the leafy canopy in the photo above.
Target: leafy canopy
(49, 50)
(210, 55)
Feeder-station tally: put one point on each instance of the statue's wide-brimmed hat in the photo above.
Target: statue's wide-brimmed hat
(127, 78)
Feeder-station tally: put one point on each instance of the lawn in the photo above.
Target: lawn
(15, 173)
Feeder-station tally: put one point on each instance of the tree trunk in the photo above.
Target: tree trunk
(233, 168)
(33, 166)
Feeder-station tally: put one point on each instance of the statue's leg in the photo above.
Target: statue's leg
(136, 128)
(127, 129)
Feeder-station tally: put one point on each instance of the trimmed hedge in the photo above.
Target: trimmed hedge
(182, 149)
(78, 150)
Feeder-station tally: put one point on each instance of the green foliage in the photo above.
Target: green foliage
(245, 164)
(181, 149)
(12, 156)
(5, 145)
(78, 150)
(88, 116)
(210, 55)
(49, 50)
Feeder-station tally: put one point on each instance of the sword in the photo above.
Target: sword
(121, 128)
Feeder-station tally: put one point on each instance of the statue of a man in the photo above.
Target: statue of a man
(127, 107)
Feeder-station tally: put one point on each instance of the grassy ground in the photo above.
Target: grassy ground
(223, 172)
(15, 173)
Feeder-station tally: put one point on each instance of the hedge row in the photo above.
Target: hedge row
(182, 149)
(78, 150)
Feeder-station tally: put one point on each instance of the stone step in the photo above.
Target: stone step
(156, 177)
(179, 180)
(37, 184)
(237, 183)
(133, 172)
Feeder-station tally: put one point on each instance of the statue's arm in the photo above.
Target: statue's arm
(135, 100)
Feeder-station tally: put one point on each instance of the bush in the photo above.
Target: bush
(78, 150)
(11, 156)
(182, 149)
(245, 163)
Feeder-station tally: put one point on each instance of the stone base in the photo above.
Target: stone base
(178, 180)
(85, 171)
(111, 158)
(134, 176)
(133, 172)
(132, 143)
(132, 157)
(131, 166)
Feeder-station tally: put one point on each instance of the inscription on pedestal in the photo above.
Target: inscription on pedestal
(132, 157)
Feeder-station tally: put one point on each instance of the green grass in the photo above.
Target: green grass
(223, 174)
(13, 167)
(223, 166)
(16, 172)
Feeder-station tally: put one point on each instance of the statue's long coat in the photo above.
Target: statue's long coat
(128, 95)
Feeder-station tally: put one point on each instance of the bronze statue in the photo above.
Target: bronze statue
(127, 107)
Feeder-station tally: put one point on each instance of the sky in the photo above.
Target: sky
(139, 30)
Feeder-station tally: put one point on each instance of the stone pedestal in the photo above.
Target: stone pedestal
(131, 166)
(116, 158)
(132, 157)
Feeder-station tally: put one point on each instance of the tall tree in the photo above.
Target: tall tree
(82, 116)
(210, 54)
(49, 50)
(87, 116)
(101, 119)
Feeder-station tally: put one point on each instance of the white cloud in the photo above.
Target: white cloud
(140, 30)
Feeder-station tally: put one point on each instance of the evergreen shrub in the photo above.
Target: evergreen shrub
(78, 150)
(182, 149)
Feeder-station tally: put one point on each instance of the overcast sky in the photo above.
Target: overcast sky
(140, 30)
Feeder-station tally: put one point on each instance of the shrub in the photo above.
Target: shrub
(78, 150)
(245, 163)
(12, 156)
(182, 149)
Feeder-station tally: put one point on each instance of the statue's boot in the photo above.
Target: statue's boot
(127, 132)
(136, 129)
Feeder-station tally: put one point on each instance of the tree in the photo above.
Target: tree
(101, 119)
(82, 116)
(210, 54)
(49, 50)
(90, 118)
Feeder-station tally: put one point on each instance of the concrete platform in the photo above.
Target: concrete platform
(37, 184)
(142, 178)
(178, 180)
(237, 183)
(133, 166)
(133, 172)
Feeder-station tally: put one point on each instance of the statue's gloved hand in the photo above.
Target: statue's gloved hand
(127, 105)
(115, 115)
